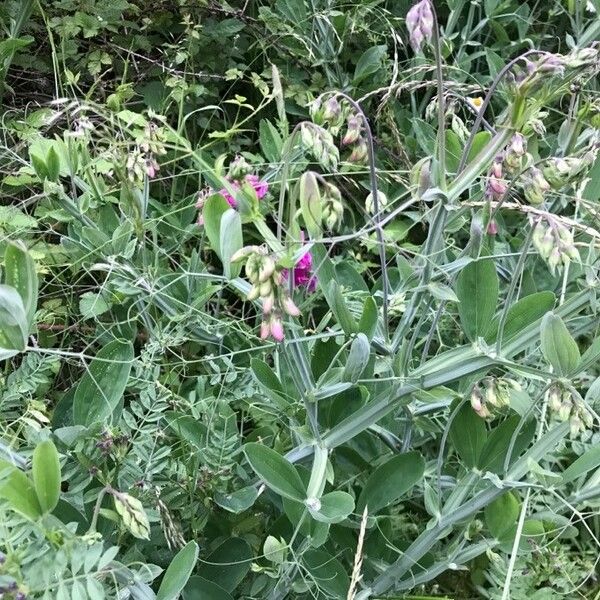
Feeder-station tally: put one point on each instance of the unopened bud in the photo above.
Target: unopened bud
(268, 303)
(554, 399)
(290, 307)
(239, 168)
(535, 186)
(266, 269)
(370, 204)
(359, 152)
(265, 288)
(265, 330)
(276, 327)
(476, 400)
(354, 126)
(253, 294)
(419, 22)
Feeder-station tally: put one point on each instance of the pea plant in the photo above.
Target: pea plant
(287, 357)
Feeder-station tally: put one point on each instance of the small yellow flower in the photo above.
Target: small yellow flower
(476, 102)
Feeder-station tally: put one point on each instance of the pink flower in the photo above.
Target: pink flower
(260, 187)
(303, 274)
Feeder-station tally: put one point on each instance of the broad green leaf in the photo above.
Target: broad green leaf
(46, 475)
(230, 241)
(13, 322)
(212, 211)
(21, 275)
(477, 291)
(468, 435)
(523, 313)
(333, 507)
(238, 501)
(442, 292)
(199, 588)
(277, 472)
(18, 490)
(52, 164)
(369, 63)
(453, 151)
(501, 515)
(100, 389)
(558, 347)
(270, 141)
(267, 378)
(390, 481)
(358, 358)
(327, 572)
(480, 140)
(588, 461)
(178, 572)
(499, 441)
(228, 564)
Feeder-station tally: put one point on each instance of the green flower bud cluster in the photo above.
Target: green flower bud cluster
(515, 155)
(267, 285)
(534, 185)
(566, 406)
(492, 395)
(153, 140)
(370, 204)
(132, 513)
(555, 244)
(238, 169)
(329, 112)
(562, 171)
(319, 142)
(333, 207)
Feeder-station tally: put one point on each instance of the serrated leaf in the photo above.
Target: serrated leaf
(278, 473)
(46, 475)
(558, 346)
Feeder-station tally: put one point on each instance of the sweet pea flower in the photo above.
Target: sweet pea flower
(260, 187)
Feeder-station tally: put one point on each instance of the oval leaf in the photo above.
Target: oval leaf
(390, 481)
(559, 348)
(178, 572)
(477, 291)
(358, 358)
(17, 489)
(100, 389)
(278, 473)
(13, 322)
(20, 274)
(46, 475)
(334, 507)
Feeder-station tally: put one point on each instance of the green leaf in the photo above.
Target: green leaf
(278, 473)
(178, 572)
(589, 460)
(269, 381)
(477, 290)
(46, 475)
(199, 588)
(500, 440)
(52, 164)
(442, 292)
(270, 141)
(338, 307)
(358, 358)
(13, 322)
(480, 140)
(369, 62)
(328, 573)
(390, 481)
(558, 347)
(92, 305)
(100, 389)
(187, 428)
(212, 211)
(18, 490)
(523, 313)
(21, 275)
(468, 435)
(453, 151)
(501, 515)
(368, 319)
(228, 564)
(230, 241)
(334, 507)
(238, 501)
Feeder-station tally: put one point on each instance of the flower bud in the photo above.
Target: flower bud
(459, 128)
(253, 294)
(238, 169)
(554, 399)
(332, 110)
(535, 186)
(556, 172)
(370, 204)
(554, 259)
(354, 126)
(265, 330)
(565, 408)
(276, 327)
(496, 185)
(265, 288)
(268, 303)
(575, 424)
(476, 400)
(266, 269)
(359, 152)
(419, 23)
(290, 307)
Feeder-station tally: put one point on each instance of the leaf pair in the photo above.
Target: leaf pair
(36, 496)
